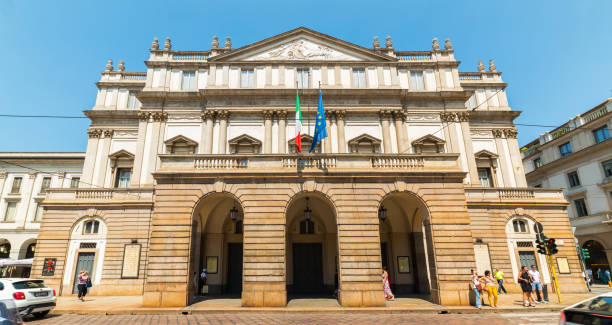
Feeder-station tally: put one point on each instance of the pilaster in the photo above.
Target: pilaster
(267, 131)
(3, 176)
(506, 168)
(100, 175)
(143, 121)
(327, 142)
(464, 120)
(223, 117)
(206, 140)
(384, 121)
(90, 156)
(282, 131)
(400, 130)
(341, 137)
(515, 157)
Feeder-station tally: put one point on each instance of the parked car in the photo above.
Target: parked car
(9, 314)
(597, 310)
(31, 296)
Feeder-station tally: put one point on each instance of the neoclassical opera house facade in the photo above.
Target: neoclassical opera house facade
(193, 164)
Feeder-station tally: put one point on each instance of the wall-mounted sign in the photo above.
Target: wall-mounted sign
(49, 266)
(211, 265)
(563, 265)
(403, 264)
(131, 261)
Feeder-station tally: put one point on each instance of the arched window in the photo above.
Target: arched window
(238, 228)
(519, 226)
(30, 251)
(91, 227)
(307, 227)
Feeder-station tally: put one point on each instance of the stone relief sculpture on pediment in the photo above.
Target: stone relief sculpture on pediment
(302, 50)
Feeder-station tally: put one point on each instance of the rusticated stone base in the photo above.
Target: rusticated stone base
(262, 294)
(165, 295)
(452, 294)
(362, 294)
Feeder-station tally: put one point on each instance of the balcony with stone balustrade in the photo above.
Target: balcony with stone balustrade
(141, 197)
(509, 196)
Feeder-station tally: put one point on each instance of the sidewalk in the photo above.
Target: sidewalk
(133, 305)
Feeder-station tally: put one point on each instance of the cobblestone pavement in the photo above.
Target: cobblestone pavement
(304, 318)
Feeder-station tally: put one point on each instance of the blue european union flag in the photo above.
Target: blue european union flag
(320, 128)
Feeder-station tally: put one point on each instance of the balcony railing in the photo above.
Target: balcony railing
(470, 76)
(98, 195)
(133, 76)
(508, 194)
(199, 56)
(288, 163)
(413, 56)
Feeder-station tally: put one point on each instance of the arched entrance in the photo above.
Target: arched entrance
(405, 243)
(598, 260)
(312, 246)
(217, 247)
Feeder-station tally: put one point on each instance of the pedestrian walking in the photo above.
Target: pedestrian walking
(600, 276)
(84, 282)
(491, 286)
(524, 279)
(386, 286)
(607, 278)
(202, 281)
(477, 288)
(536, 284)
(589, 273)
(499, 276)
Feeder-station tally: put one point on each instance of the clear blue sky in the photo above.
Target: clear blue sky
(555, 55)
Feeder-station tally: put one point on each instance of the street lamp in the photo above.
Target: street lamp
(382, 213)
(307, 211)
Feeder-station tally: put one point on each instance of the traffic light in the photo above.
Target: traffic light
(552, 247)
(541, 245)
(585, 253)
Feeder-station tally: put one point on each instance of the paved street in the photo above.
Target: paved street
(304, 318)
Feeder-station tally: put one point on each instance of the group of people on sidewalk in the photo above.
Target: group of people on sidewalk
(493, 285)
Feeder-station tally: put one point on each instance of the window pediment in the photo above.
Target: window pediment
(244, 144)
(364, 143)
(122, 154)
(486, 158)
(306, 144)
(180, 144)
(428, 144)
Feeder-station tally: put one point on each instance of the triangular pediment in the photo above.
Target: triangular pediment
(181, 139)
(122, 154)
(304, 138)
(245, 139)
(302, 44)
(364, 138)
(428, 139)
(485, 154)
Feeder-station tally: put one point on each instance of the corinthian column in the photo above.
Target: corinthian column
(206, 141)
(143, 121)
(400, 132)
(386, 133)
(268, 131)
(90, 156)
(341, 137)
(282, 131)
(223, 117)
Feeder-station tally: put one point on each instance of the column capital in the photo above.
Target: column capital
(329, 114)
(223, 114)
(144, 116)
(281, 114)
(267, 114)
(3, 174)
(399, 115)
(498, 133)
(340, 114)
(32, 175)
(61, 174)
(108, 133)
(385, 114)
(207, 115)
(463, 116)
(511, 133)
(94, 133)
(448, 117)
(160, 116)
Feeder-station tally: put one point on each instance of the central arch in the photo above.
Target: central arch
(406, 243)
(311, 246)
(217, 239)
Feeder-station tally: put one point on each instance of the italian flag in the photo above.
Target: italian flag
(298, 122)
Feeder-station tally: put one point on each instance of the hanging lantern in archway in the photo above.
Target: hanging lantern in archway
(233, 213)
(307, 211)
(382, 213)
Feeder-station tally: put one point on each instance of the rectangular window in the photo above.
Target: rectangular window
(247, 78)
(416, 81)
(74, 182)
(302, 78)
(601, 134)
(581, 209)
(537, 163)
(39, 212)
(133, 102)
(16, 188)
(46, 183)
(565, 149)
(188, 81)
(359, 80)
(607, 167)
(11, 210)
(573, 179)
(123, 177)
(484, 175)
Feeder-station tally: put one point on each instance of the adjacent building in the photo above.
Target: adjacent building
(577, 156)
(193, 164)
(25, 178)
